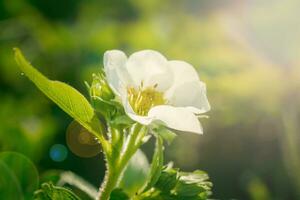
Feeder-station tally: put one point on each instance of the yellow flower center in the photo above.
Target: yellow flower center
(143, 99)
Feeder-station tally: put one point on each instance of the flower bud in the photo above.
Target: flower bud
(100, 88)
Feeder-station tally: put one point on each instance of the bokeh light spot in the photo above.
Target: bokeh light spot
(81, 142)
(58, 153)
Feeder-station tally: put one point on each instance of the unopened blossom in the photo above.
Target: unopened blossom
(156, 90)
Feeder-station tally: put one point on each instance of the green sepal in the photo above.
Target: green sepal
(100, 87)
(165, 133)
(105, 108)
(109, 109)
(122, 121)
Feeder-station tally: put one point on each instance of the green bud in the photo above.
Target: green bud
(100, 87)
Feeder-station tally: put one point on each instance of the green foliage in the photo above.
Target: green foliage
(135, 174)
(118, 194)
(19, 177)
(52, 176)
(233, 54)
(50, 192)
(65, 96)
(193, 184)
(105, 104)
(9, 184)
(167, 180)
(102, 97)
(109, 109)
(175, 185)
(138, 179)
(24, 124)
(122, 121)
(157, 163)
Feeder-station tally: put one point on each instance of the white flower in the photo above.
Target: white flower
(155, 90)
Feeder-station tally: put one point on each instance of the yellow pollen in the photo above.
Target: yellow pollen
(143, 99)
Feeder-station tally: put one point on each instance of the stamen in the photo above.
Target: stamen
(143, 99)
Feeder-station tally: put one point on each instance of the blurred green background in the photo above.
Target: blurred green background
(248, 53)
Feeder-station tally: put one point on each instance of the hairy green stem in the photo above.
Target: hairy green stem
(116, 166)
(110, 181)
(134, 143)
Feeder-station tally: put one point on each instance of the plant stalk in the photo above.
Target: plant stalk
(110, 181)
(116, 166)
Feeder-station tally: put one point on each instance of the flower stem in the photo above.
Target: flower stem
(116, 166)
(110, 181)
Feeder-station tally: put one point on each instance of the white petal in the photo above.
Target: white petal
(145, 120)
(183, 72)
(191, 95)
(176, 118)
(151, 68)
(114, 66)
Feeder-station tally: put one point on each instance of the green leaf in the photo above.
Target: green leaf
(23, 170)
(185, 189)
(61, 178)
(65, 96)
(167, 180)
(9, 185)
(157, 164)
(197, 176)
(76, 181)
(175, 185)
(135, 174)
(118, 194)
(193, 184)
(50, 192)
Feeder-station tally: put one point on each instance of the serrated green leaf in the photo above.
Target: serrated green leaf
(23, 170)
(197, 176)
(167, 180)
(118, 194)
(65, 96)
(156, 165)
(175, 185)
(185, 189)
(50, 192)
(135, 174)
(193, 184)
